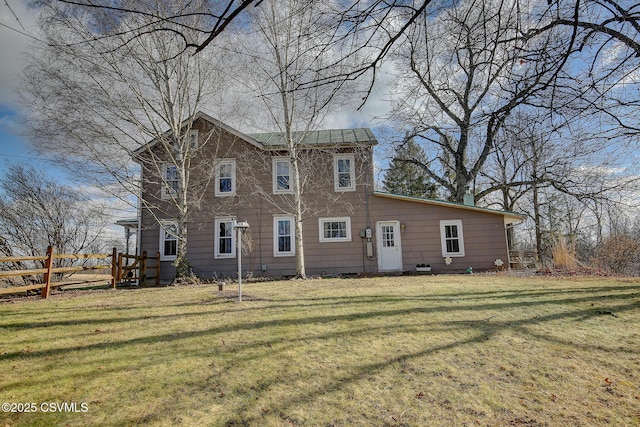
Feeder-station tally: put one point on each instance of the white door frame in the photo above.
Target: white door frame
(394, 255)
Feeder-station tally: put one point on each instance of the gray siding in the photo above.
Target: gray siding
(484, 234)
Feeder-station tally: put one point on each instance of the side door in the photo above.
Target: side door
(389, 246)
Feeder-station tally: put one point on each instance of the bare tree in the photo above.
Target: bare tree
(535, 165)
(376, 27)
(98, 97)
(37, 212)
(467, 72)
(283, 57)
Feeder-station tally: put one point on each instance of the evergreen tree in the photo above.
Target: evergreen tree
(407, 178)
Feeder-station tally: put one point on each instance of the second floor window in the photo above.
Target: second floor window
(226, 178)
(191, 139)
(344, 172)
(170, 180)
(281, 175)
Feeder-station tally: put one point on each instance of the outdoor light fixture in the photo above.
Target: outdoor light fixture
(241, 227)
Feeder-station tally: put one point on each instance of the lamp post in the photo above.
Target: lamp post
(241, 227)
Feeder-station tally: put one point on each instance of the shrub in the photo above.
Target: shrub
(564, 255)
(618, 254)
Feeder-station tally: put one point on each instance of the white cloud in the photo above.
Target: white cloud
(13, 44)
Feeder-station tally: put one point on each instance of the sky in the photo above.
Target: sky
(17, 24)
(18, 28)
(15, 21)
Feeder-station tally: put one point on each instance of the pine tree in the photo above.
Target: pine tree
(407, 178)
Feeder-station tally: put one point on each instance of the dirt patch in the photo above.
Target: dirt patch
(233, 296)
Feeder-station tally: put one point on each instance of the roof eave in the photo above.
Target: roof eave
(199, 115)
(509, 217)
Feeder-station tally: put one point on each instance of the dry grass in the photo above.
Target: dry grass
(421, 350)
(564, 255)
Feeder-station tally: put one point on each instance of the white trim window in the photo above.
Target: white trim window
(169, 180)
(225, 178)
(335, 229)
(451, 238)
(284, 239)
(282, 175)
(168, 240)
(225, 240)
(344, 172)
(193, 139)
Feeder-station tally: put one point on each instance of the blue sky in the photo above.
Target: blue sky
(16, 23)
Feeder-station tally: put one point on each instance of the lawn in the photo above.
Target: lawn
(417, 350)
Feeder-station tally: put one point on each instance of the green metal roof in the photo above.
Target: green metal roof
(318, 138)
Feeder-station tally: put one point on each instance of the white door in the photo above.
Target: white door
(389, 249)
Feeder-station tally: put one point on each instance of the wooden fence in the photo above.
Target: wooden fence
(138, 271)
(114, 262)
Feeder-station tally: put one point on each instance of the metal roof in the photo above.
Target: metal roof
(318, 138)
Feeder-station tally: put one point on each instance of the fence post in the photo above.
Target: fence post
(143, 268)
(48, 264)
(157, 268)
(120, 266)
(114, 268)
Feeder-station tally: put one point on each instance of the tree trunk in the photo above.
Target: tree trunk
(297, 194)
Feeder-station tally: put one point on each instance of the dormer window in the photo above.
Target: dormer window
(344, 172)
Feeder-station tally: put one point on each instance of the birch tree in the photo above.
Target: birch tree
(286, 49)
(98, 96)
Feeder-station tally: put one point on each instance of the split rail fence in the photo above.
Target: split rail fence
(116, 263)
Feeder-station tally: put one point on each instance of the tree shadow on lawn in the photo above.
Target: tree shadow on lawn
(302, 321)
(485, 329)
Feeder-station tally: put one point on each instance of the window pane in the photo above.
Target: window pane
(344, 165)
(282, 168)
(171, 177)
(225, 238)
(388, 239)
(284, 244)
(225, 185)
(225, 170)
(170, 247)
(284, 227)
(344, 180)
(284, 235)
(335, 230)
(170, 232)
(283, 182)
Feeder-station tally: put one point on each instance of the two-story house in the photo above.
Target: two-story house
(348, 227)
